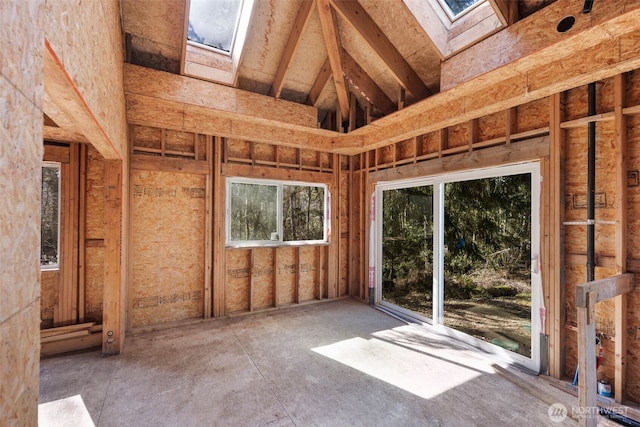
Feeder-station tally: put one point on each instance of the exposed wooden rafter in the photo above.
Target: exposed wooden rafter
(354, 73)
(360, 20)
(334, 49)
(299, 25)
(321, 81)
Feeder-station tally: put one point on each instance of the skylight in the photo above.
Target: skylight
(455, 8)
(214, 23)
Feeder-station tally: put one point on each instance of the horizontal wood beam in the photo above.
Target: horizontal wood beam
(51, 133)
(168, 164)
(163, 113)
(249, 171)
(359, 19)
(227, 101)
(361, 81)
(67, 98)
(299, 25)
(516, 152)
(524, 40)
(604, 289)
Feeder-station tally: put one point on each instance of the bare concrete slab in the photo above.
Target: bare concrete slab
(340, 363)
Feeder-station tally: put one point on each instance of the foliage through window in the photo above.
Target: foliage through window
(273, 212)
(50, 216)
(214, 23)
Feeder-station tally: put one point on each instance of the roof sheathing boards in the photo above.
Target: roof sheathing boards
(267, 37)
(401, 28)
(156, 32)
(309, 58)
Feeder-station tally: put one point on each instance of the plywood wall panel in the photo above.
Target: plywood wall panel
(343, 279)
(633, 182)
(288, 155)
(429, 143)
(168, 222)
(179, 141)
(632, 87)
(492, 126)
(48, 297)
(405, 149)
(146, 136)
(576, 103)
(308, 273)
(633, 345)
(458, 135)
(95, 195)
(264, 152)
(386, 155)
(236, 148)
(287, 266)
(237, 280)
(94, 289)
(262, 276)
(532, 115)
(310, 158)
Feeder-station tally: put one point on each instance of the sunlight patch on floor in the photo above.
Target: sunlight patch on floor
(424, 374)
(67, 412)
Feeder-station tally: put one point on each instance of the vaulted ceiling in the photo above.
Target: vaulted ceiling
(366, 58)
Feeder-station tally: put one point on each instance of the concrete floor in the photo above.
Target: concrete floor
(339, 363)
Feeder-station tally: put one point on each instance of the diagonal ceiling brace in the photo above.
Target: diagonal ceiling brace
(359, 19)
(334, 49)
(299, 26)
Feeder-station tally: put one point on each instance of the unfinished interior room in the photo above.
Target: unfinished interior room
(320, 212)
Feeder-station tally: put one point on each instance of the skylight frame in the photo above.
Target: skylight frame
(453, 17)
(233, 38)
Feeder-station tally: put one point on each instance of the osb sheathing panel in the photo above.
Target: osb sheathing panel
(532, 115)
(308, 269)
(578, 100)
(148, 137)
(429, 143)
(262, 275)
(48, 297)
(94, 290)
(238, 149)
(168, 224)
(492, 126)
(386, 155)
(237, 279)
(20, 175)
(95, 195)
(632, 86)
(264, 152)
(458, 135)
(343, 284)
(326, 160)
(155, 29)
(633, 345)
(179, 141)
(288, 155)
(309, 158)
(101, 48)
(286, 275)
(633, 185)
(405, 149)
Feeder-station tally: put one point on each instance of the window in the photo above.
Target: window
(50, 216)
(214, 23)
(273, 212)
(455, 8)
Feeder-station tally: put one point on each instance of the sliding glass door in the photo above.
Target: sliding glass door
(460, 251)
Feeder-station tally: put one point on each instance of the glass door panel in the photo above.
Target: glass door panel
(407, 248)
(487, 260)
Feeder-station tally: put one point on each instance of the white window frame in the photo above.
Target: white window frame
(58, 166)
(279, 184)
(437, 322)
(452, 17)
